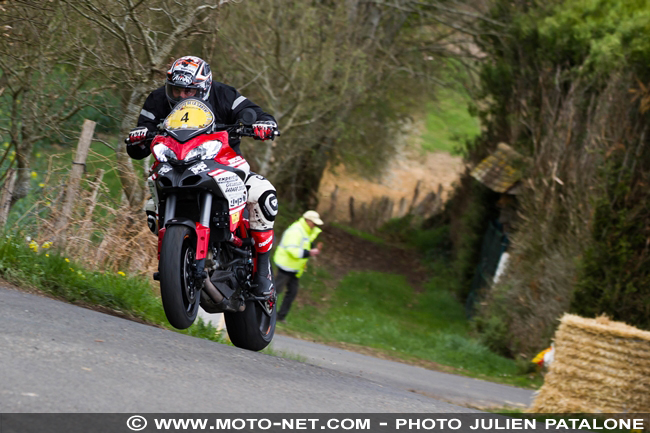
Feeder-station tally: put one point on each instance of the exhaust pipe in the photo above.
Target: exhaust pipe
(212, 291)
(217, 297)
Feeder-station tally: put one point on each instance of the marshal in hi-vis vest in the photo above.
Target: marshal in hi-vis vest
(295, 240)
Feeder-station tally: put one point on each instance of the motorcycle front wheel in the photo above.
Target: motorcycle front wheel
(253, 328)
(178, 289)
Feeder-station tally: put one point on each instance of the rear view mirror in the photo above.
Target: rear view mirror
(248, 116)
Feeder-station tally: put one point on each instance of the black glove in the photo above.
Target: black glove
(137, 136)
(265, 129)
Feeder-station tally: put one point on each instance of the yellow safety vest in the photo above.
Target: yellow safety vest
(295, 240)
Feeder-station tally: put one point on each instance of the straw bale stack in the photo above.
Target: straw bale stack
(600, 366)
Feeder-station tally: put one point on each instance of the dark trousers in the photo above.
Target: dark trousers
(288, 279)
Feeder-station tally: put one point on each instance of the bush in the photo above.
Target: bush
(566, 87)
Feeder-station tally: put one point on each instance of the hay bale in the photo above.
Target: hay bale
(600, 366)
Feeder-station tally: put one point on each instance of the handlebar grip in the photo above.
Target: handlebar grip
(246, 132)
(150, 136)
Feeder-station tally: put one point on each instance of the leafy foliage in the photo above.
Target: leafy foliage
(563, 83)
(342, 79)
(615, 271)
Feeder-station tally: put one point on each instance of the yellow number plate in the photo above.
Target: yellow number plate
(189, 114)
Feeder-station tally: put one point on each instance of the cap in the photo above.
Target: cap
(313, 216)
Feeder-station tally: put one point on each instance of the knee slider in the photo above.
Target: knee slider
(268, 203)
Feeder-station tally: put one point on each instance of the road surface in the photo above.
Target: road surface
(56, 357)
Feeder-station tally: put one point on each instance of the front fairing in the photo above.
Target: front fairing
(198, 175)
(190, 124)
(181, 149)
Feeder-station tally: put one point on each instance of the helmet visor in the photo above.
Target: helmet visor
(177, 93)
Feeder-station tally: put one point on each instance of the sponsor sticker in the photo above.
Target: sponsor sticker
(164, 169)
(199, 168)
(182, 78)
(233, 178)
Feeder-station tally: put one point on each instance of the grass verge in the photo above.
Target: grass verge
(383, 312)
(116, 293)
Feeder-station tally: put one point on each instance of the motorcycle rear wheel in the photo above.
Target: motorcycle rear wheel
(178, 289)
(253, 328)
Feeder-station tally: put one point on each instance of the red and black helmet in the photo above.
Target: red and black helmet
(187, 74)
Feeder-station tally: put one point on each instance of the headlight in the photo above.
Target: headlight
(207, 150)
(163, 153)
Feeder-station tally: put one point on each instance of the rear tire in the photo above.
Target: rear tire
(178, 289)
(253, 328)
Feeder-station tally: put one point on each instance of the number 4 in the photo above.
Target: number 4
(186, 117)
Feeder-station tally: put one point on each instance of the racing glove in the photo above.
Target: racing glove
(137, 136)
(264, 130)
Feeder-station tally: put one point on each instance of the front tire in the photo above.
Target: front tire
(178, 287)
(253, 328)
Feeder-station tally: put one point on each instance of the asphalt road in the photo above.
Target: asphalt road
(443, 386)
(56, 357)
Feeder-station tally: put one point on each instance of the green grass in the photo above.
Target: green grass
(383, 312)
(47, 271)
(449, 123)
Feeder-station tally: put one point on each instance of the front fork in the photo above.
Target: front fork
(202, 230)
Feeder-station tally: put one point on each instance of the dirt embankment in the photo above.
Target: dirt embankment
(343, 253)
(398, 183)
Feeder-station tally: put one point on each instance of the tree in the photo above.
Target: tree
(45, 81)
(340, 77)
(134, 42)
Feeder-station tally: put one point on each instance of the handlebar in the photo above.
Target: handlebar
(241, 130)
(235, 129)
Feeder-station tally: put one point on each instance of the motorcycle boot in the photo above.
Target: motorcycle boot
(264, 279)
(264, 286)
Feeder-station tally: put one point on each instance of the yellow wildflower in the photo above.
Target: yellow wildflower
(37, 154)
(33, 245)
(67, 260)
(121, 274)
(46, 245)
(34, 175)
(47, 255)
(72, 269)
(42, 185)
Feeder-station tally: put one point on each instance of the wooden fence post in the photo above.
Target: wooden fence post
(416, 194)
(329, 214)
(78, 167)
(6, 196)
(85, 230)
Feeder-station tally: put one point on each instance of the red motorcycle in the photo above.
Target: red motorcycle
(205, 250)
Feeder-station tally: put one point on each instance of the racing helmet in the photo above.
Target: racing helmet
(188, 76)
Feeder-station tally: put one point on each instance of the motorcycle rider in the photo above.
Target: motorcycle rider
(191, 76)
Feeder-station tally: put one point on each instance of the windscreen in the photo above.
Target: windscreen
(189, 114)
